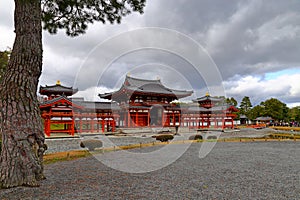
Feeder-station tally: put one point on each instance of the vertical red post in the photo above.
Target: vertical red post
(136, 118)
(47, 126)
(102, 124)
(223, 122)
(148, 116)
(92, 124)
(72, 126)
(128, 119)
(113, 126)
(80, 124)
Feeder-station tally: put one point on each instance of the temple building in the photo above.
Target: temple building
(138, 103)
(210, 112)
(62, 114)
(147, 103)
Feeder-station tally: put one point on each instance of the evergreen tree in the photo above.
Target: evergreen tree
(294, 114)
(20, 121)
(255, 112)
(275, 109)
(231, 101)
(245, 105)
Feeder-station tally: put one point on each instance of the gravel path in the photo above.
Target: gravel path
(252, 170)
(68, 144)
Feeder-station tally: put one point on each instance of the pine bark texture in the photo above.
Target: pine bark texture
(21, 125)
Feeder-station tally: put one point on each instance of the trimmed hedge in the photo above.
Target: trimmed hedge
(164, 137)
(212, 137)
(91, 144)
(196, 137)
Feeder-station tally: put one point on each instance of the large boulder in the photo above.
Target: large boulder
(91, 144)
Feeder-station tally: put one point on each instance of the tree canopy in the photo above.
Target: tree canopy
(245, 105)
(231, 101)
(294, 114)
(74, 16)
(256, 111)
(275, 109)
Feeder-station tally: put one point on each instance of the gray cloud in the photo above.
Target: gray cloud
(245, 38)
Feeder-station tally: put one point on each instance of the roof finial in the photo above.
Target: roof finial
(128, 74)
(207, 94)
(58, 82)
(157, 78)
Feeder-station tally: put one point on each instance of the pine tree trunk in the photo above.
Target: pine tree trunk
(21, 125)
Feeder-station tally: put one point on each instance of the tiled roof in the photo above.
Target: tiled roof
(208, 98)
(58, 99)
(57, 89)
(151, 87)
(136, 82)
(264, 118)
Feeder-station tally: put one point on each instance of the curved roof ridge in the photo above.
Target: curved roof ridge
(57, 89)
(177, 90)
(139, 81)
(52, 86)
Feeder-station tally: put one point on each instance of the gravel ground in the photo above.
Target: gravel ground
(252, 170)
(69, 144)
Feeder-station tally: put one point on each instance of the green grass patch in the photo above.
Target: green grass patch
(65, 156)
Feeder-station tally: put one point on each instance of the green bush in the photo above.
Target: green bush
(91, 144)
(212, 137)
(164, 137)
(196, 137)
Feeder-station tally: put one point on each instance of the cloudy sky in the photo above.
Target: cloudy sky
(251, 48)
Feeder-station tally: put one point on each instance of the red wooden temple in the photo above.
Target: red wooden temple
(147, 103)
(62, 114)
(210, 112)
(138, 103)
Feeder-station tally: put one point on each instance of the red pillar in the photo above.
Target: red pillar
(162, 118)
(47, 126)
(223, 123)
(148, 118)
(102, 123)
(215, 121)
(92, 125)
(72, 127)
(113, 125)
(129, 119)
(136, 118)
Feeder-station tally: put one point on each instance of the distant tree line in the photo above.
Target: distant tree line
(274, 108)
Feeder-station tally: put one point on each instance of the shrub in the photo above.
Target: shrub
(164, 132)
(164, 137)
(196, 137)
(91, 144)
(212, 137)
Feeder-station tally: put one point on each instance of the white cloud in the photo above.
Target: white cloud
(246, 39)
(259, 89)
(7, 37)
(91, 94)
